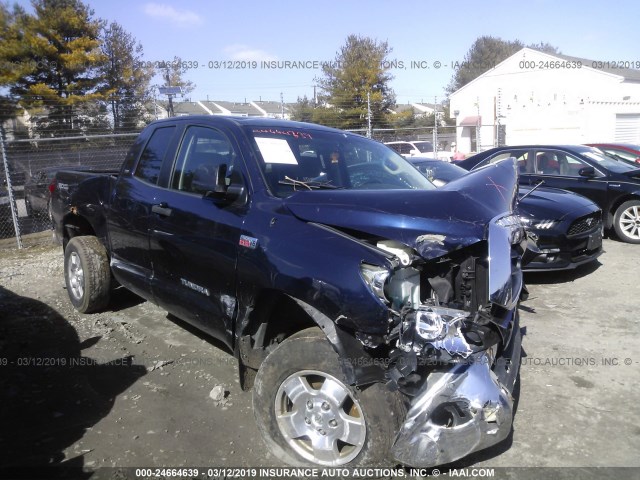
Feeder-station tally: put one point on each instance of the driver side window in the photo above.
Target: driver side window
(202, 152)
(552, 162)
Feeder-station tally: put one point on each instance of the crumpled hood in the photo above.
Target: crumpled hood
(433, 222)
(553, 203)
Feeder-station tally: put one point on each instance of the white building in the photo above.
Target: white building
(534, 97)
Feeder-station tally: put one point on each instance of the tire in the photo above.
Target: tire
(338, 425)
(87, 274)
(626, 221)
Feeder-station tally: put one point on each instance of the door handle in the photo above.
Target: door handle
(161, 209)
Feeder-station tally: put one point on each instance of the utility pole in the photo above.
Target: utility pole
(282, 105)
(478, 125)
(435, 126)
(368, 114)
(168, 80)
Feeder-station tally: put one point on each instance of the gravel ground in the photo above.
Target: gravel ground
(134, 387)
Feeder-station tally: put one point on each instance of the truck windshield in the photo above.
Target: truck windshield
(303, 158)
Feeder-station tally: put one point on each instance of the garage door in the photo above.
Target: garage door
(628, 128)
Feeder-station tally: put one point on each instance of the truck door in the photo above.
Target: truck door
(130, 210)
(194, 238)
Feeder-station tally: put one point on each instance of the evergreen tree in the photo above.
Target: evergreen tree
(359, 74)
(125, 78)
(302, 111)
(50, 61)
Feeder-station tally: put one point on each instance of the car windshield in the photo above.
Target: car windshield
(621, 155)
(608, 163)
(294, 159)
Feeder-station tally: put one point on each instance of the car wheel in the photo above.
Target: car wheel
(627, 221)
(87, 274)
(309, 415)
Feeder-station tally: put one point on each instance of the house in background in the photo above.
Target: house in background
(534, 97)
(273, 109)
(419, 109)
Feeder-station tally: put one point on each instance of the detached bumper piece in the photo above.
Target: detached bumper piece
(460, 411)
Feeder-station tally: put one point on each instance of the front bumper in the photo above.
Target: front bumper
(463, 410)
(564, 252)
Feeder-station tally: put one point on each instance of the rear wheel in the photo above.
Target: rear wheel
(309, 415)
(627, 221)
(87, 274)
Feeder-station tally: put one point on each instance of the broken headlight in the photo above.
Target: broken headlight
(376, 278)
(432, 327)
(432, 323)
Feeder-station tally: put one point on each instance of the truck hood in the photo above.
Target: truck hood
(432, 222)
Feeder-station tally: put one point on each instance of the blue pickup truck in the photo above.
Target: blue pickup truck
(374, 316)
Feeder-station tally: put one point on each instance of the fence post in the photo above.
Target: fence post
(12, 199)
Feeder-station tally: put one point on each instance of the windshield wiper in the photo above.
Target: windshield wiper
(310, 185)
(530, 191)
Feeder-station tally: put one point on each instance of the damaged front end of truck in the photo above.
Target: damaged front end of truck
(455, 335)
(452, 343)
(457, 346)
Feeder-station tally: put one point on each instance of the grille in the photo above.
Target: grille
(586, 223)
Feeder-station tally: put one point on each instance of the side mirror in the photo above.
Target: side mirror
(587, 172)
(414, 151)
(222, 191)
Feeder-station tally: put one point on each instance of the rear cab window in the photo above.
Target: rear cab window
(150, 163)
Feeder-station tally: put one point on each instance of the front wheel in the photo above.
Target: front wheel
(627, 221)
(308, 415)
(87, 274)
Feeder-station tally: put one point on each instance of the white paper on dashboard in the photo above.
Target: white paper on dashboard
(276, 150)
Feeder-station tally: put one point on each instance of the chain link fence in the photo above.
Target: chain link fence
(27, 169)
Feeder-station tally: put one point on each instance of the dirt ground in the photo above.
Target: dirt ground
(130, 387)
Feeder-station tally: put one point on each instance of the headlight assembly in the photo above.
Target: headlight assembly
(376, 278)
(545, 224)
(433, 323)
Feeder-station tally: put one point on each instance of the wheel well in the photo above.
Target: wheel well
(75, 225)
(275, 317)
(615, 205)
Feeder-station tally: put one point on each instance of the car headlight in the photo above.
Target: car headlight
(433, 323)
(376, 278)
(544, 224)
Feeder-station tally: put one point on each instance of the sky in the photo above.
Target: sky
(426, 38)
